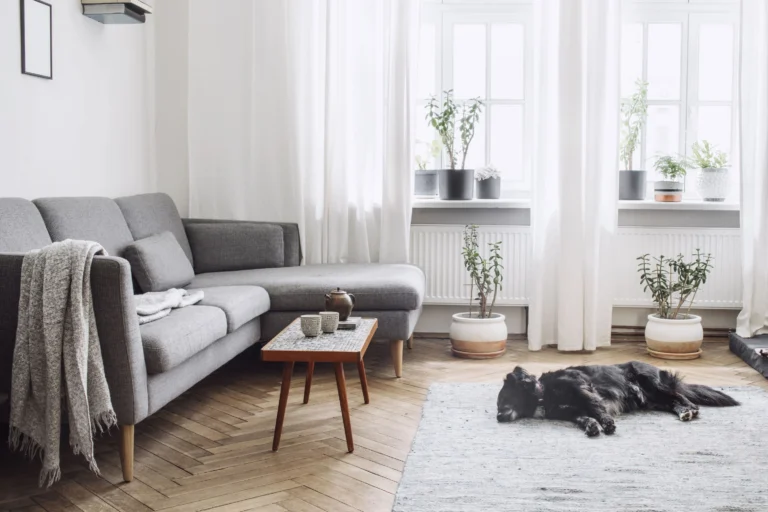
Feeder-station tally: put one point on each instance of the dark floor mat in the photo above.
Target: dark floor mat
(749, 350)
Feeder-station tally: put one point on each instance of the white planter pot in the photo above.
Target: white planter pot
(713, 184)
(674, 339)
(478, 338)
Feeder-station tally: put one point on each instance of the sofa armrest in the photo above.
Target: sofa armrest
(118, 326)
(121, 348)
(292, 254)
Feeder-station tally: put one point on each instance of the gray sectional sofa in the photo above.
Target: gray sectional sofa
(250, 273)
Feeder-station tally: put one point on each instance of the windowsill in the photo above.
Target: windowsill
(684, 205)
(420, 202)
(648, 204)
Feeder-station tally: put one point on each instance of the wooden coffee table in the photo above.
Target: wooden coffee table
(343, 346)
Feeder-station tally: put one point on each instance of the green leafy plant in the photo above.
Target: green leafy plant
(673, 282)
(485, 274)
(707, 156)
(443, 116)
(429, 152)
(634, 112)
(672, 168)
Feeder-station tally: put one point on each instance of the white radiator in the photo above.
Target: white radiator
(437, 250)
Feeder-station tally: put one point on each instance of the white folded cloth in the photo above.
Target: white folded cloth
(153, 306)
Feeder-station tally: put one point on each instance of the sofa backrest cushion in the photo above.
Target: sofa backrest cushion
(86, 218)
(21, 226)
(153, 214)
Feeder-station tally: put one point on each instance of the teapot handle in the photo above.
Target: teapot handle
(353, 299)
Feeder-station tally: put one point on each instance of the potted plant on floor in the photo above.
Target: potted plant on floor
(456, 182)
(487, 182)
(480, 333)
(673, 169)
(714, 179)
(425, 181)
(633, 115)
(672, 332)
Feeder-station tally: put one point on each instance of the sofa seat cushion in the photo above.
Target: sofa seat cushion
(172, 340)
(377, 287)
(240, 304)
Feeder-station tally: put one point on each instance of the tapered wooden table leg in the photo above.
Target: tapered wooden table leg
(341, 383)
(363, 380)
(308, 382)
(284, 389)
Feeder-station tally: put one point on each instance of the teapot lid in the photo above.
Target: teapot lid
(338, 291)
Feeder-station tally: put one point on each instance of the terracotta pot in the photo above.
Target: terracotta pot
(341, 302)
(478, 338)
(678, 338)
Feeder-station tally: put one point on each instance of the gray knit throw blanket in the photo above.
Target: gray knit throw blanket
(57, 358)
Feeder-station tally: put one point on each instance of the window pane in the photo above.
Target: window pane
(425, 134)
(507, 61)
(715, 126)
(631, 57)
(663, 133)
(469, 60)
(664, 52)
(715, 62)
(507, 140)
(476, 155)
(427, 60)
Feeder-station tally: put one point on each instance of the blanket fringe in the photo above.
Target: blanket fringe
(104, 421)
(18, 441)
(49, 476)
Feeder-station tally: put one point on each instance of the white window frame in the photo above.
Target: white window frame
(444, 15)
(690, 14)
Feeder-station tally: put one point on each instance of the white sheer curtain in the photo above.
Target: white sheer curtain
(576, 70)
(300, 111)
(753, 114)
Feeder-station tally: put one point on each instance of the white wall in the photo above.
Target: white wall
(87, 131)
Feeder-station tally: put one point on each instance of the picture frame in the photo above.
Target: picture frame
(36, 38)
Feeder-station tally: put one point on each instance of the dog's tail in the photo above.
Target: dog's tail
(705, 395)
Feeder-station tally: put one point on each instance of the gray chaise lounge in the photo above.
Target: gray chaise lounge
(235, 263)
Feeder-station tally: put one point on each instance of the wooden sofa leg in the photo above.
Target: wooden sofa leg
(396, 349)
(410, 342)
(126, 451)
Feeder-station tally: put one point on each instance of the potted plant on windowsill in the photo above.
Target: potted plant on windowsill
(456, 182)
(714, 179)
(633, 115)
(487, 182)
(425, 181)
(672, 332)
(480, 333)
(673, 169)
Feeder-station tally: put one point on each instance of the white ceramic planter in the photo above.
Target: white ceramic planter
(478, 338)
(713, 184)
(674, 339)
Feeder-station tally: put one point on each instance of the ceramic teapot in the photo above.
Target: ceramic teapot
(341, 302)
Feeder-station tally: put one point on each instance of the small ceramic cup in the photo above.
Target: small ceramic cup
(329, 321)
(310, 325)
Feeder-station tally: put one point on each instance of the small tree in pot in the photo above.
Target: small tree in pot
(673, 332)
(714, 179)
(456, 182)
(673, 169)
(481, 334)
(425, 182)
(634, 113)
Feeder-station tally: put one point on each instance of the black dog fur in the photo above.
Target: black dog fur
(592, 396)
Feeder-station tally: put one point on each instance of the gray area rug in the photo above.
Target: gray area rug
(463, 460)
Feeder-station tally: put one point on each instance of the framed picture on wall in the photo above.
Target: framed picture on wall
(37, 38)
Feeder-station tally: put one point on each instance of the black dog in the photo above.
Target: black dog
(591, 396)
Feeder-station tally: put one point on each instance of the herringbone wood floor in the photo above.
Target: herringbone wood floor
(211, 448)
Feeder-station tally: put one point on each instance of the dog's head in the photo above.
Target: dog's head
(519, 397)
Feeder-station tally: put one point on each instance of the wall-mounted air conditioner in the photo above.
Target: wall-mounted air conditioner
(117, 11)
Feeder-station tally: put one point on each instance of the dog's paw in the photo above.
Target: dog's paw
(592, 429)
(609, 426)
(687, 414)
